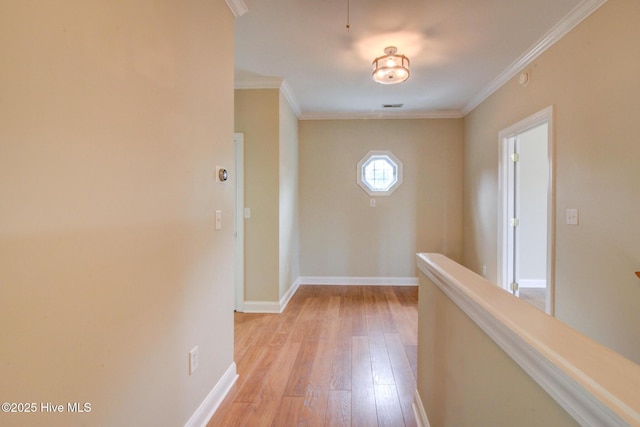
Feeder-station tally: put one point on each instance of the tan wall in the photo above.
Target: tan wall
(114, 115)
(466, 379)
(340, 234)
(590, 77)
(257, 115)
(289, 222)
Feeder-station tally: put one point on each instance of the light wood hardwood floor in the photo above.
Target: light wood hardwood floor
(337, 356)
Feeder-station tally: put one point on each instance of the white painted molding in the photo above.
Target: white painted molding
(363, 281)
(540, 350)
(261, 307)
(259, 83)
(271, 306)
(263, 82)
(576, 16)
(210, 404)
(288, 295)
(440, 114)
(287, 92)
(237, 7)
(532, 283)
(418, 411)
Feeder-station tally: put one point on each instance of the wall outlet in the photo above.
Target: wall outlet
(194, 360)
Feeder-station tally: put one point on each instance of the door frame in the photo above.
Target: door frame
(238, 144)
(541, 117)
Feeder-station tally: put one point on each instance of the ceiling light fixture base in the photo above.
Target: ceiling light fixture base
(391, 68)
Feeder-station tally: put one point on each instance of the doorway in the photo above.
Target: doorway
(238, 144)
(526, 222)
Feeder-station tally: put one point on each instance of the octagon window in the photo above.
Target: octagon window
(379, 173)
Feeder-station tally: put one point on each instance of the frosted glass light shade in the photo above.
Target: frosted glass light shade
(390, 68)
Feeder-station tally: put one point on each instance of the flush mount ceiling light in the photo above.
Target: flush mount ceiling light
(390, 68)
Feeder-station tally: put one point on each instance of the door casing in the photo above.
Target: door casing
(505, 187)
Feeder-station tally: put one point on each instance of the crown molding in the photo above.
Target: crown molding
(272, 83)
(287, 92)
(575, 17)
(441, 114)
(237, 7)
(260, 83)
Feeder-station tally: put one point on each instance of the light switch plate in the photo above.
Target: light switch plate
(194, 360)
(572, 216)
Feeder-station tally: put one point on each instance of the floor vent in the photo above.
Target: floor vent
(392, 105)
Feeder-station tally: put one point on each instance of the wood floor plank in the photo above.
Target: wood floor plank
(235, 415)
(301, 370)
(388, 406)
(404, 375)
(363, 401)
(336, 356)
(272, 391)
(338, 409)
(380, 364)
(288, 412)
(341, 360)
(252, 381)
(317, 394)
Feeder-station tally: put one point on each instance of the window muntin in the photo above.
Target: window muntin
(379, 173)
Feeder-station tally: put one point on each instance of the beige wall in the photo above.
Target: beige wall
(113, 117)
(340, 234)
(590, 77)
(466, 379)
(289, 205)
(257, 115)
(270, 130)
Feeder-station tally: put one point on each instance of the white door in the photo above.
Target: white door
(238, 143)
(527, 211)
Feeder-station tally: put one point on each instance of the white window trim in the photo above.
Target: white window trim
(360, 173)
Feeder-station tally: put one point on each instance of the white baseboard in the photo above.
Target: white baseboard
(289, 294)
(210, 404)
(279, 306)
(261, 307)
(532, 283)
(419, 412)
(271, 306)
(353, 280)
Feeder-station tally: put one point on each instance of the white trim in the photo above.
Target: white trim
(436, 114)
(543, 116)
(264, 82)
(361, 281)
(576, 16)
(272, 306)
(261, 307)
(237, 7)
(574, 389)
(532, 283)
(279, 306)
(390, 158)
(238, 142)
(210, 404)
(288, 94)
(418, 411)
(557, 32)
(259, 83)
(288, 295)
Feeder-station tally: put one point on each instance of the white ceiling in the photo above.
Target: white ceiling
(460, 50)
